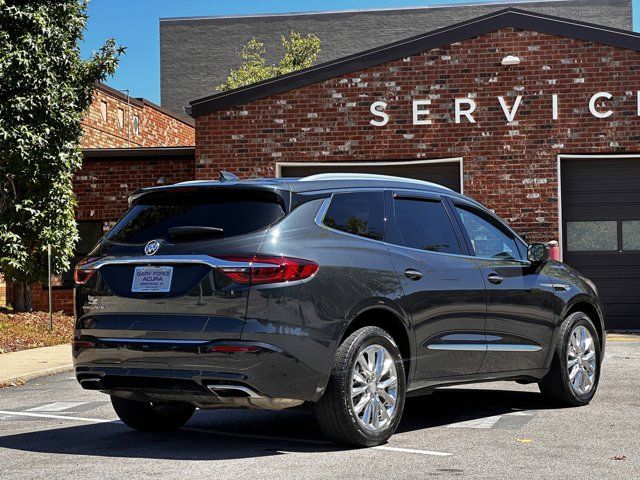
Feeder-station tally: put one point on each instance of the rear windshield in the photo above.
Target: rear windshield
(233, 211)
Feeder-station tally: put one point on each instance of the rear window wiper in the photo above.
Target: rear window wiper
(194, 231)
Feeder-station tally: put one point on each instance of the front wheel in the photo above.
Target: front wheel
(152, 417)
(575, 369)
(363, 402)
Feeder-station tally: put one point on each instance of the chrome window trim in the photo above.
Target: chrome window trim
(319, 218)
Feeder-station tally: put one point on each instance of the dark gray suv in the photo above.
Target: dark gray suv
(345, 291)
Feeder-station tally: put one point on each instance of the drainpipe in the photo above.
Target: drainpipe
(128, 117)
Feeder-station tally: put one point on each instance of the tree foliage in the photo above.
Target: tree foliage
(299, 52)
(45, 86)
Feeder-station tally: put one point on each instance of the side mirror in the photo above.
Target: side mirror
(537, 253)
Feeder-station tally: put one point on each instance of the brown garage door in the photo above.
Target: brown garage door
(601, 231)
(443, 173)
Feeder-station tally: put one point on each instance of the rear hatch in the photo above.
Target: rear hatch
(168, 270)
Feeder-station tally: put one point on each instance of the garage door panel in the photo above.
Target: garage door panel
(605, 190)
(443, 173)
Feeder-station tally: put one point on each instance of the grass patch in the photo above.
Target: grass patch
(21, 331)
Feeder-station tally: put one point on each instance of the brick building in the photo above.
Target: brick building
(196, 53)
(128, 143)
(536, 116)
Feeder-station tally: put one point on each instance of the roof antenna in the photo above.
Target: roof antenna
(228, 177)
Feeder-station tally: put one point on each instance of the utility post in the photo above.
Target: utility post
(49, 276)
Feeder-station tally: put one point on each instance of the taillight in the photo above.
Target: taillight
(262, 269)
(83, 275)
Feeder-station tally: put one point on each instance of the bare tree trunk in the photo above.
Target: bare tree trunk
(18, 297)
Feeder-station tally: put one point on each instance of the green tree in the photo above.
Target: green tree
(45, 86)
(299, 52)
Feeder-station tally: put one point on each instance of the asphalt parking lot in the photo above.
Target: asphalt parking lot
(51, 428)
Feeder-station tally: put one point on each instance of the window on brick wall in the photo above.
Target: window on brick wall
(103, 110)
(120, 118)
(136, 124)
(90, 233)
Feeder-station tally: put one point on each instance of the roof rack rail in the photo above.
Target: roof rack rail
(369, 176)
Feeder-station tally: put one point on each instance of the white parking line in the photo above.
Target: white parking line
(486, 422)
(55, 407)
(228, 434)
(59, 417)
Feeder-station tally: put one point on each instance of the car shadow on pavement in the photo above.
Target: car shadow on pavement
(233, 434)
(452, 405)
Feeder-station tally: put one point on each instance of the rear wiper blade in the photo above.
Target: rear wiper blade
(194, 231)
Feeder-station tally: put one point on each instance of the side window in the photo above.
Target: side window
(425, 225)
(360, 214)
(487, 239)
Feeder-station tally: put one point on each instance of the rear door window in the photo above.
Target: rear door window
(359, 214)
(425, 225)
(222, 213)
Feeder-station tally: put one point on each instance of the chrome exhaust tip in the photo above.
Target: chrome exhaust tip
(226, 391)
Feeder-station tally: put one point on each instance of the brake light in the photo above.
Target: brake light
(83, 344)
(83, 275)
(263, 269)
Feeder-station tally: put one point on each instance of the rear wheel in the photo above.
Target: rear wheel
(152, 417)
(575, 369)
(363, 402)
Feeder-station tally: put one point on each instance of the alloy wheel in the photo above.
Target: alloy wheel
(374, 388)
(581, 360)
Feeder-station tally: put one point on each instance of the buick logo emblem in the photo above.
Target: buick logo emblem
(151, 247)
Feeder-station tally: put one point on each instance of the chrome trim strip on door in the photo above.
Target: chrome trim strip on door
(508, 347)
(498, 347)
(460, 347)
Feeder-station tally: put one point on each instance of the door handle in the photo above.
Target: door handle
(412, 274)
(495, 278)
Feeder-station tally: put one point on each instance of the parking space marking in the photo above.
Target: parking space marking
(485, 422)
(228, 434)
(59, 417)
(413, 450)
(56, 407)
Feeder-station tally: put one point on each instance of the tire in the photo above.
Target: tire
(557, 386)
(336, 412)
(152, 417)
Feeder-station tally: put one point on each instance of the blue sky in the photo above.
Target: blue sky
(134, 24)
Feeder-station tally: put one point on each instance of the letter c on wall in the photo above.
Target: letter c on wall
(592, 105)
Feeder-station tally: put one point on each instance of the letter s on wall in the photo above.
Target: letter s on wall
(379, 113)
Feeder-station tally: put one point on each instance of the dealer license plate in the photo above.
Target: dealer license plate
(152, 279)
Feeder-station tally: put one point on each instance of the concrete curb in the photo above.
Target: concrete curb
(36, 374)
(18, 367)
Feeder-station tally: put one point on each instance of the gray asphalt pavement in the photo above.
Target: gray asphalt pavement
(51, 428)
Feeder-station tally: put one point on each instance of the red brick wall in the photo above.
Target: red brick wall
(512, 168)
(102, 188)
(157, 128)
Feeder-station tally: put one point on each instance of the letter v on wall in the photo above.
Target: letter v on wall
(510, 114)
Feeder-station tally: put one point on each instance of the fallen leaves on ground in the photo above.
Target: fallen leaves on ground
(21, 331)
(524, 440)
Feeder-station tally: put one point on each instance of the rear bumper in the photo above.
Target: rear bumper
(262, 376)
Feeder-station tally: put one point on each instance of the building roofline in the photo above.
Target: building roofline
(141, 102)
(508, 17)
(198, 18)
(137, 153)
